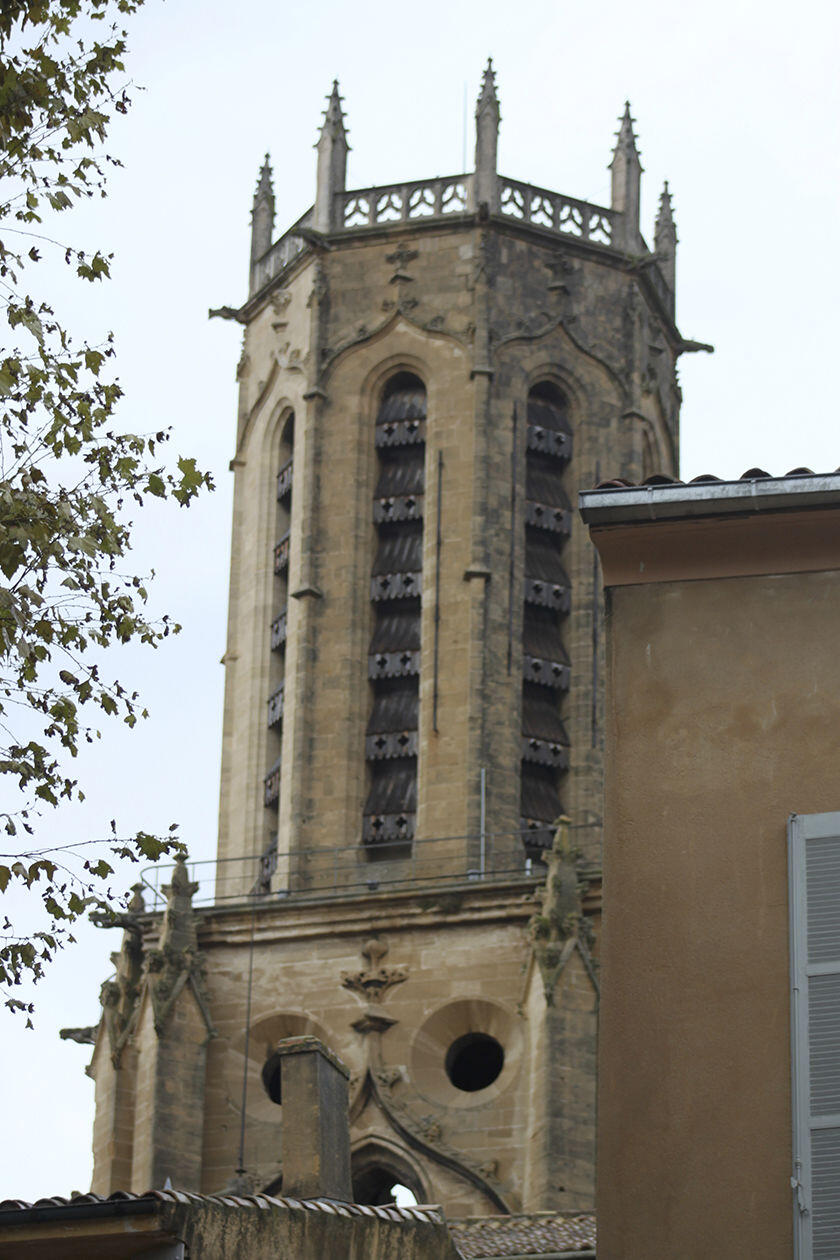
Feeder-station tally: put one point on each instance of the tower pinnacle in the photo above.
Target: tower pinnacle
(262, 213)
(487, 97)
(332, 149)
(626, 182)
(665, 238)
(333, 124)
(265, 189)
(487, 117)
(626, 137)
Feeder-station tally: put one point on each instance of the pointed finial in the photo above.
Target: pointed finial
(136, 905)
(265, 188)
(180, 875)
(665, 214)
(179, 924)
(333, 124)
(332, 149)
(488, 97)
(626, 180)
(665, 240)
(626, 136)
(487, 116)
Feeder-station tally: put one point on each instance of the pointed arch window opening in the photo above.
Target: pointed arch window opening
(547, 601)
(279, 628)
(391, 735)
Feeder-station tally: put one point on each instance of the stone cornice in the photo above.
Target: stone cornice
(280, 919)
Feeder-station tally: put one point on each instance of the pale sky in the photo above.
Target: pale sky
(737, 105)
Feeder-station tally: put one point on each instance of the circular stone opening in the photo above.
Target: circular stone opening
(474, 1061)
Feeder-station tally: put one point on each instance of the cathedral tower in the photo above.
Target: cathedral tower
(430, 372)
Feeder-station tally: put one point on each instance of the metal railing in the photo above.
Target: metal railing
(315, 874)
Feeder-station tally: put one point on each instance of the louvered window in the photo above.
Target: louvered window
(278, 634)
(395, 591)
(814, 884)
(547, 600)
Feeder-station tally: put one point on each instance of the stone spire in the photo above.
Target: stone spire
(665, 239)
(179, 933)
(487, 119)
(332, 149)
(626, 183)
(262, 213)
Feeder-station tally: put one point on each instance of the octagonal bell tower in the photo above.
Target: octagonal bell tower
(430, 371)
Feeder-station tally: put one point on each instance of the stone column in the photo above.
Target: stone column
(487, 117)
(626, 170)
(665, 242)
(173, 1028)
(332, 149)
(262, 220)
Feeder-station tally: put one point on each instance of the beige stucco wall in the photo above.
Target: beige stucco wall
(722, 720)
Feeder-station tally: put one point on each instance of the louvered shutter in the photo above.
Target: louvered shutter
(814, 857)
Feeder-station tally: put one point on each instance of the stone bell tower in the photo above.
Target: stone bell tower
(430, 372)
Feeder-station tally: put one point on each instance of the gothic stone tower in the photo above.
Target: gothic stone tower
(430, 372)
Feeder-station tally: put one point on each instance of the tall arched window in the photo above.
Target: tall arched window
(545, 663)
(395, 590)
(283, 517)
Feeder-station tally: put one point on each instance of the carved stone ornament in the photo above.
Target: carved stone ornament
(319, 287)
(389, 1076)
(402, 305)
(177, 962)
(288, 359)
(120, 996)
(400, 258)
(371, 985)
(560, 927)
(374, 982)
(280, 299)
(83, 1036)
(373, 1020)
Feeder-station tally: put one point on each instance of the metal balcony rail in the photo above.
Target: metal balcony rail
(358, 870)
(275, 706)
(281, 554)
(284, 481)
(279, 630)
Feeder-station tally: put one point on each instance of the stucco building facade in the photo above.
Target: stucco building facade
(723, 604)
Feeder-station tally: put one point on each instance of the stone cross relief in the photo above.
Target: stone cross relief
(371, 984)
(399, 259)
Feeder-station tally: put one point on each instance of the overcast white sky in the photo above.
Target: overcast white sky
(736, 104)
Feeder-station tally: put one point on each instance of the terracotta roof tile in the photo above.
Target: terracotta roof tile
(77, 1202)
(540, 1233)
(662, 479)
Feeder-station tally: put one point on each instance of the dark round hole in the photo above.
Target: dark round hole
(474, 1061)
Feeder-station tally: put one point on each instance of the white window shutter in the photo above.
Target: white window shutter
(814, 866)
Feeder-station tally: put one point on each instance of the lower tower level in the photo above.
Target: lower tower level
(430, 372)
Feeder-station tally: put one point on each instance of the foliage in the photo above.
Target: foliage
(67, 473)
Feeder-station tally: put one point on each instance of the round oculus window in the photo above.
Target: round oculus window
(474, 1061)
